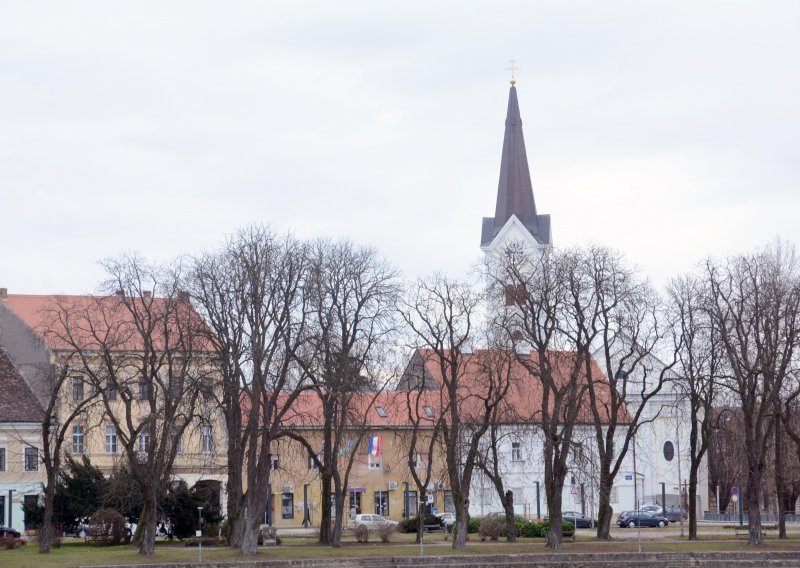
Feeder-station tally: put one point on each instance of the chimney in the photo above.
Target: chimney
(119, 294)
(147, 294)
(184, 296)
(3, 293)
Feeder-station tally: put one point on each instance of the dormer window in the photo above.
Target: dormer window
(428, 411)
(381, 411)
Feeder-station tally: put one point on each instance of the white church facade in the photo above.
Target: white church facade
(659, 454)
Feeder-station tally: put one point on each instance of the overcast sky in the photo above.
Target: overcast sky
(666, 130)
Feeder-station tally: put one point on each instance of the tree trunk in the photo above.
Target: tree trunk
(554, 498)
(325, 536)
(234, 487)
(338, 525)
(249, 531)
(692, 501)
(754, 508)
(779, 484)
(462, 523)
(420, 515)
(508, 506)
(46, 531)
(605, 511)
(148, 522)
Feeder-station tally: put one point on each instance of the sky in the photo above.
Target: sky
(666, 130)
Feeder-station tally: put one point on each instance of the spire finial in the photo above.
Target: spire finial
(513, 70)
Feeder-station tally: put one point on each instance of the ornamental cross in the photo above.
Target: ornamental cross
(513, 70)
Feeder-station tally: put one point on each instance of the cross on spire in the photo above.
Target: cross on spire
(513, 70)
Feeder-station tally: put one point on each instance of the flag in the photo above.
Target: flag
(375, 446)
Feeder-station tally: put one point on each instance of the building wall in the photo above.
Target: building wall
(14, 478)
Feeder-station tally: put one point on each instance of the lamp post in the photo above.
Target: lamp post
(199, 534)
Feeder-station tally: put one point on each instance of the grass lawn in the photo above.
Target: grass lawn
(75, 552)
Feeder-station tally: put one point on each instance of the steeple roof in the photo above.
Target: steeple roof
(515, 191)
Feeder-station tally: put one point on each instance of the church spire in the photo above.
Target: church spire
(515, 191)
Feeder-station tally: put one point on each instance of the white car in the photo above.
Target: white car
(448, 519)
(371, 521)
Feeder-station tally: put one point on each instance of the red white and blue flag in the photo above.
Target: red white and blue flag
(375, 446)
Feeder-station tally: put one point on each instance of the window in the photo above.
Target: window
(208, 439)
(2, 459)
(77, 439)
(2, 510)
(30, 501)
(382, 503)
(207, 389)
(311, 463)
(178, 441)
(111, 439)
(669, 451)
(143, 441)
(516, 451)
(31, 458)
(111, 389)
(428, 410)
(144, 389)
(411, 503)
(515, 295)
(614, 497)
(287, 505)
(275, 463)
(77, 388)
(381, 411)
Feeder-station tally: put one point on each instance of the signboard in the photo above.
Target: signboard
(198, 533)
(734, 494)
(628, 477)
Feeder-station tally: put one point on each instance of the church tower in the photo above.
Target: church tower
(515, 220)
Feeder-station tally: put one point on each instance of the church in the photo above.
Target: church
(657, 463)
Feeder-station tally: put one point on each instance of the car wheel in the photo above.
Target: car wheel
(631, 525)
(661, 524)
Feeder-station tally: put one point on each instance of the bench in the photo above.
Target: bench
(432, 528)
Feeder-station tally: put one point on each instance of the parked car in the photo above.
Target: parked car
(674, 514)
(8, 531)
(641, 518)
(580, 521)
(371, 521)
(448, 520)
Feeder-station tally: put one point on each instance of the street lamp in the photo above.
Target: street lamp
(199, 534)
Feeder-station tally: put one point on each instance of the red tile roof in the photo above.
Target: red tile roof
(17, 401)
(94, 320)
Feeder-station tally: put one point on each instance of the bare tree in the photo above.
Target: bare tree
(755, 310)
(140, 347)
(424, 412)
(251, 295)
(350, 296)
(614, 317)
(700, 365)
(537, 291)
(441, 314)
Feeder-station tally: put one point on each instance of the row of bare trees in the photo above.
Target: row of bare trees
(285, 339)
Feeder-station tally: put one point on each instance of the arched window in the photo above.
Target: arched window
(669, 451)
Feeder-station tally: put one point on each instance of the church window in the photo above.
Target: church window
(669, 451)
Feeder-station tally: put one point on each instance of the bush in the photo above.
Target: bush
(10, 543)
(474, 525)
(362, 533)
(410, 524)
(386, 530)
(107, 526)
(206, 541)
(568, 529)
(492, 527)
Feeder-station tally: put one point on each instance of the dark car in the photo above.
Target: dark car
(641, 518)
(674, 514)
(8, 531)
(580, 521)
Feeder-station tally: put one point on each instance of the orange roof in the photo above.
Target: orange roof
(486, 369)
(95, 321)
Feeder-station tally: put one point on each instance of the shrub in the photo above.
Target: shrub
(530, 530)
(474, 525)
(10, 543)
(385, 531)
(410, 524)
(107, 526)
(568, 529)
(362, 533)
(206, 541)
(492, 527)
